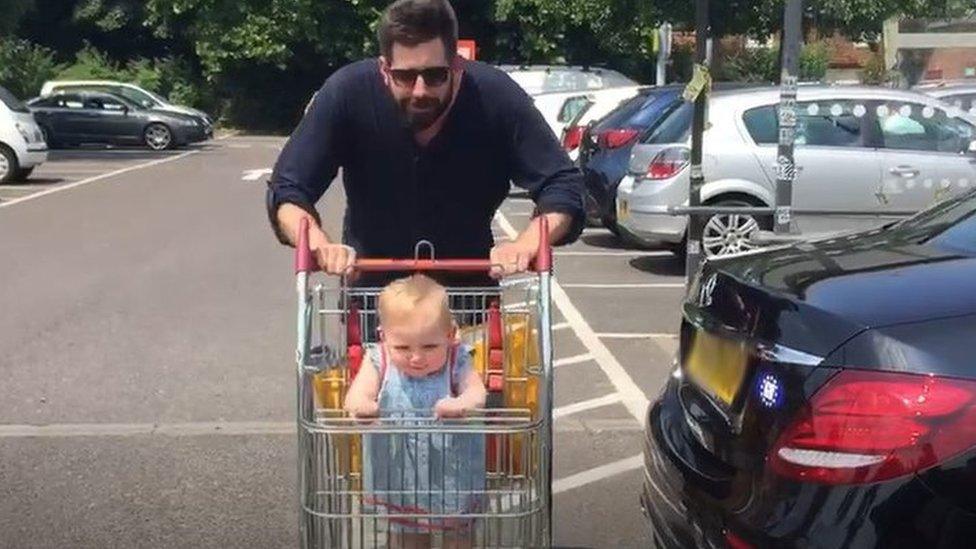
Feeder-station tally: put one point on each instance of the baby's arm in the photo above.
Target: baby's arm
(473, 395)
(362, 395)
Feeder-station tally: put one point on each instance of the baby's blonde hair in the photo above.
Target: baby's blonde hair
(402, 300)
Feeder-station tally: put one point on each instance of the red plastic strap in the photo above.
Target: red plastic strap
(494, 326)
(303, 255)
(496, 356)
(354, 340)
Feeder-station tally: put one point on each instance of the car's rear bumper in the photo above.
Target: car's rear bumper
(33, 157)
(642, 213)
(684, 509)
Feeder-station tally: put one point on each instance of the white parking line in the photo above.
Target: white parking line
(596, 474)
(573, 253)
(624, 286)
(585, 357)
(585, 405)
(637, 335)
(631, 395)
(96, 178)
(561, 326)
(232, 428)
(133, 429)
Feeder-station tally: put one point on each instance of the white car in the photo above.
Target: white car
(559, 109)
(22, 146)
(132, 92)
(536, 79)
(863, 155)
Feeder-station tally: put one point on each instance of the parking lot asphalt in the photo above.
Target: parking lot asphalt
(147, 349)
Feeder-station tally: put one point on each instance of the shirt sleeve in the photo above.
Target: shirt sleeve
(311, 157)
(542, 167)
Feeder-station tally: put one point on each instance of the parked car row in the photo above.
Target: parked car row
(92, 111)
(863, 156)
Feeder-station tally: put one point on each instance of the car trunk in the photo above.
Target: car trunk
(749, 359)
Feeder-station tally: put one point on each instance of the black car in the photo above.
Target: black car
(96, 117)
(825, 395)
(605, 148)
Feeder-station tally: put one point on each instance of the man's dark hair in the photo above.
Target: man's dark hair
(412, 22)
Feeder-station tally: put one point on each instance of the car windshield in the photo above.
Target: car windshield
(11, 101)
(951, 224)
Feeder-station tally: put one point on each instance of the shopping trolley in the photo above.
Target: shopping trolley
(509, 329)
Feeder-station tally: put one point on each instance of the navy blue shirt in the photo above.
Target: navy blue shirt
(447, 192)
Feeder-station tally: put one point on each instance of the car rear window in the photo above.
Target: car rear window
(949, 225)
(675, 125)
(620, 117)
(11, 101)
(965, 101)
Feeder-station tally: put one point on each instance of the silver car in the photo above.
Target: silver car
(960, 94)
(863, 156)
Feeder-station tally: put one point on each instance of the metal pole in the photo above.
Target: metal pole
(785, 162)
(696, 222)
(663, 53)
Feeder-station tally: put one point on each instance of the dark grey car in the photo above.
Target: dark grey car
(95, 117)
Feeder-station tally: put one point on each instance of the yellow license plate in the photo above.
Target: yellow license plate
(623, 210)
(717, 365)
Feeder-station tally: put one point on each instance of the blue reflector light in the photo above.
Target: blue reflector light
(770, 390)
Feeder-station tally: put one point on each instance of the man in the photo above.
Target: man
(428, 144)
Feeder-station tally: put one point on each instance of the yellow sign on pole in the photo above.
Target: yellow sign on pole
(700, 79)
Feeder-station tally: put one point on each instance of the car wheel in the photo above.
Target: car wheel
(158, 137)
(8, 165)
(726, 234)
(24, 173)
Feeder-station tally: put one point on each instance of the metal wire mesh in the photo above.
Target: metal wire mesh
(503, 507)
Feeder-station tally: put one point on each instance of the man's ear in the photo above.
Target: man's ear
(457, 63)
(379, 334)
(385, 70)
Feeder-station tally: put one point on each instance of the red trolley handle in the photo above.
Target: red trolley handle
(305, 263)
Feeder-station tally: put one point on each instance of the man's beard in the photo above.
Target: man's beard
(421, 114)
(430, 109)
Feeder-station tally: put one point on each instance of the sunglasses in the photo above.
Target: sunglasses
(433, 76)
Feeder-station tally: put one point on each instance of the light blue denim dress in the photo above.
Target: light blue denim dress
(425, 472)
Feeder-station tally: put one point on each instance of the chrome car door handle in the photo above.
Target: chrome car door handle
(904, 171)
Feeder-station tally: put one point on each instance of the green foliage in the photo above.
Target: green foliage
(814, 61)
(751, 65)
(12, 11)
(259, 61)
(761, 65)
(24, 67)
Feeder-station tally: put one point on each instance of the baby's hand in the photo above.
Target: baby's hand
(450, 408)
(363, 408)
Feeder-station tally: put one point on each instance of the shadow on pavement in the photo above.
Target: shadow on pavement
(607, 240)
(43, 181)
(668, 265)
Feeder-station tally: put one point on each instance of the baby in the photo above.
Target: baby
(419, 366)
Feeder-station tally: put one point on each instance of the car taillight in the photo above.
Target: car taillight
(614, 139)
(865, 426)
(668, 163)
(572, 137)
